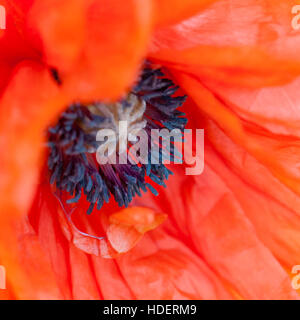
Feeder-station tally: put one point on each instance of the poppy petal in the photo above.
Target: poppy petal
(162, 267)
(170, 11)
(284, 155)
(215, 221)
(128, 226)
(248, 44)
(269, 205)
(97, 47)
(24, 112)
(215, 228)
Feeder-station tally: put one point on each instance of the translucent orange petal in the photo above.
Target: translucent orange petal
(28, 268)
(128, 226)
(61, 25)
(272, 108)
(14, 43)
(84, 284)
(263, 200)
(114, 286)
(246, 44)
(284, 152)
(220, 223)
(275, 111)
(141, 219)
(163, 267)
(24, 113)
(269, 205)
(96, 47)
(172, 11)
(169, 269)
(224, 235)
(265, 159)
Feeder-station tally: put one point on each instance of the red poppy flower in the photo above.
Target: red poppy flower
(231, 232)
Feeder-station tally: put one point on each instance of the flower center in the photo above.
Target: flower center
(130, 111)
(151, 104)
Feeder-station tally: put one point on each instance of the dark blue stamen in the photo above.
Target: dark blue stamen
(72, 143)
